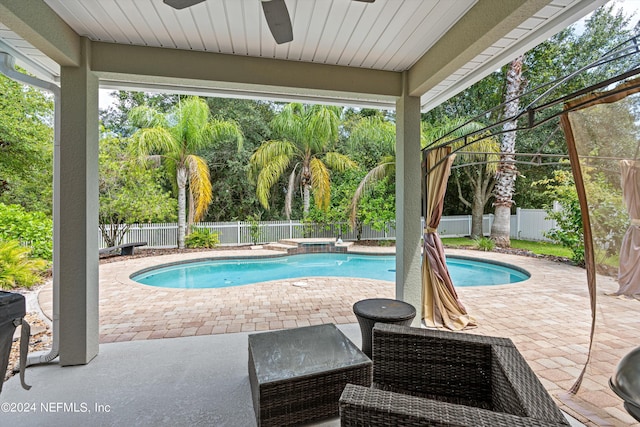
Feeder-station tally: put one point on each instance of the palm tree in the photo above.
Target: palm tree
(507, 171)
(306, 134)
(175, 138)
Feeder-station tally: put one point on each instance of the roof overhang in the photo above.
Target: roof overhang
(488, 35)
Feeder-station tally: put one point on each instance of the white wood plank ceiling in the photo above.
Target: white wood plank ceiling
(385, 35)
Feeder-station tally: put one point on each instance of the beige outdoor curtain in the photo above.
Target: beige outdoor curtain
(440, 304)
(602, 131)
(629, 269)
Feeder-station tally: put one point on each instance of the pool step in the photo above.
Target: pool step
(282, 247)
(327, 241)
(302, 246)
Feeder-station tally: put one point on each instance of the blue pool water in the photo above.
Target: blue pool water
(235, 272)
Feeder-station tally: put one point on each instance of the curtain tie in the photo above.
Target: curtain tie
(430, 230)
(635, 222)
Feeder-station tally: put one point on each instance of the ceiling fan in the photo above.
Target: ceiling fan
(275, 12)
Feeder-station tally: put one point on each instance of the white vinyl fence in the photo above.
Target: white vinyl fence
(526, 224)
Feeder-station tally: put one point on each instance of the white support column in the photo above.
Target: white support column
(77, 212)
(408, 202)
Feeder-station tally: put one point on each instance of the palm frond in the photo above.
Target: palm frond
(487, 149)
(480, 143)
(269, 175)
(288, 124)
(18, 269)
(271, 149)
(224, 130)
(374, 130)
(452, 129)
(191, 126)
(321, 127)
(199, 185)
(376, 174)
(147, 141)
(144, 116)
(320, 183)
(339, 162)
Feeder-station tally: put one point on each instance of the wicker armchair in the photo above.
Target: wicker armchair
(426, 377)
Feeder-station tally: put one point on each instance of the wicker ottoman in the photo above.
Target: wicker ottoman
(297, 375)
(381, 310)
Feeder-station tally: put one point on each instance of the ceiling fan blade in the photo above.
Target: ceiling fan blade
(181, 4)
(277, 16)
(366, 1)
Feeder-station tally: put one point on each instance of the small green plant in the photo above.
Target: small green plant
(202, 238)
(484, 244)
(16, 268)
(308, 227)
(254, 228)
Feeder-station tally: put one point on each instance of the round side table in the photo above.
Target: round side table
(380, 310)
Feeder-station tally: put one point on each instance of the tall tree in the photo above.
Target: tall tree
(475, 163)
(177, 138)
(564, 53)
(129, 192)
(306, 135)
(26, 146)
(507, 171)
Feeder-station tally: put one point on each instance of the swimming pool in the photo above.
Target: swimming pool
(236, 272)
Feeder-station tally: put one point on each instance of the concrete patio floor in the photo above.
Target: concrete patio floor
(202, 379)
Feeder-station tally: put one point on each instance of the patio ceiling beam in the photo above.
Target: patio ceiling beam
(486, 22)
(36, 23)
(175, 67)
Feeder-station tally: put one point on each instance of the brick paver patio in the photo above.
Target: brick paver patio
(547, 317)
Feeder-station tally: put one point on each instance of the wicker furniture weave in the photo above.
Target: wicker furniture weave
(297, 375)
(426, 377)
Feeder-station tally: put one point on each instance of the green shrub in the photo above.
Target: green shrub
(254, 228)
(16, 268)
(202, 238)
(568, 231)
(484, 244)
(32, 228)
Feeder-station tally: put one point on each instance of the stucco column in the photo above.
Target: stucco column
(408, 202)
(76, 212)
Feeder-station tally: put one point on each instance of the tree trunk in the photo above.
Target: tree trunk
(190, 214)
(306, 199)
(305, 180)
(507, 171)
(181, 177)
(501, 227)
(481, 180)
(477, 212)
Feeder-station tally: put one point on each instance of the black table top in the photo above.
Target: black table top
(384, 309)
(291, 353)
